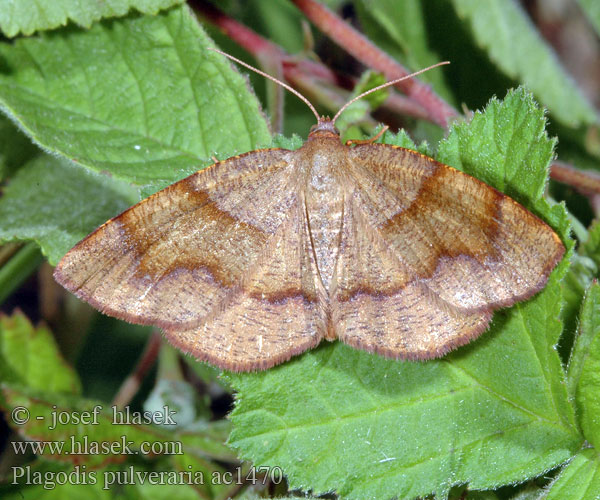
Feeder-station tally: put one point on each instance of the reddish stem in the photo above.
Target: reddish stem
(132, 383)
(404, 106)
(586, 182)
(595, 202)
(372, 56)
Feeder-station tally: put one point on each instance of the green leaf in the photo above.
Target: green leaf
(28, 16)
(591, 247)
(580, 479)
(21, 264)
(280, 141)
(29, 356)
(15, 148)
(503, 30)
(369, 80)
(492, 413)
(206, 439)
(374, 428)
(187, 462)
(139, 97)
(403, 140)
(592, 9)
(574, 285)
(57, 203)
(359, 110)
(584, 367)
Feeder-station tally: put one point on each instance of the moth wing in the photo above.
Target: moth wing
(438, 251)
(178, 256)
(277, 310)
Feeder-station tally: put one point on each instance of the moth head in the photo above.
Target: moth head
(325, 127)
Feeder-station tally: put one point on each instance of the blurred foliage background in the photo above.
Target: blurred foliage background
(57, 350)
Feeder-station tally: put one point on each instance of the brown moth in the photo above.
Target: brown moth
(257, 258)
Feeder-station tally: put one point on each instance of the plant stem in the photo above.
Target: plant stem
(372, 56)
(132, 383)
(585, 181)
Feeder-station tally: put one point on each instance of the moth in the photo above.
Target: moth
(260, 257)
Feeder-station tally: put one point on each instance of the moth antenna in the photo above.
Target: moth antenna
(272, 78)
(387, 84)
